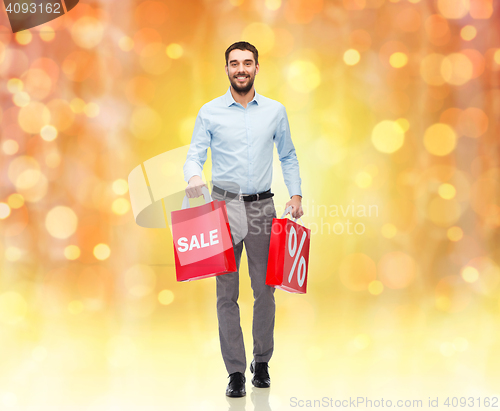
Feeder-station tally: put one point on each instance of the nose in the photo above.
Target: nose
(241, 68)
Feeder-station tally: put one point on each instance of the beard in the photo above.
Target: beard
(243, 89)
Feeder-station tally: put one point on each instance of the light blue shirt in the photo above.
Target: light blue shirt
(242, 141)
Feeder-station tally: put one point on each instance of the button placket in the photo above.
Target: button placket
(250, 147)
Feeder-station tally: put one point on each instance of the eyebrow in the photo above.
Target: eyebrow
(235, 61)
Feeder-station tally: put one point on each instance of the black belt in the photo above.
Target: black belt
(241, 197)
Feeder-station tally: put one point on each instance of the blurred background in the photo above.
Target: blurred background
(394, 109)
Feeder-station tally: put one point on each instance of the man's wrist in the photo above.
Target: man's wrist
(194, 177)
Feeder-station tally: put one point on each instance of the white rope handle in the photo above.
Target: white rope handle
(287, 210)
(206, 195)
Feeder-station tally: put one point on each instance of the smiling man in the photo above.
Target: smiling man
(241, 128)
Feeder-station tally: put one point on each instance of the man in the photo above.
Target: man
(240, 127)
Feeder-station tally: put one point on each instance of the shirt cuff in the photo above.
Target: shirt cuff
(190, 172)
(294, 190)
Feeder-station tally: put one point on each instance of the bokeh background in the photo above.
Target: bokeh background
(394, 109)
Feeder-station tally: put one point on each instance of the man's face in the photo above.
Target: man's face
(241, 70)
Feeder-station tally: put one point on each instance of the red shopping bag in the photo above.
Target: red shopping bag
(202, 240)
(288, 255)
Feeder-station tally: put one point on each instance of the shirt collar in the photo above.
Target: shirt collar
(230, 100)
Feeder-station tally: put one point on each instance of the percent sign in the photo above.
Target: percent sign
(301, 270)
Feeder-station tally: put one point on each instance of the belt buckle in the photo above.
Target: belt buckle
(257, 197)
(240, 197)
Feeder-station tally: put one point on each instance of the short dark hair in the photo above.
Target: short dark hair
(243, 45)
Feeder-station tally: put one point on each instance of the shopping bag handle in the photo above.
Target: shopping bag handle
(206, 195)
(289, 209)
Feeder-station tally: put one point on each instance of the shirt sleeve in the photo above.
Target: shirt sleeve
(287, 156)
(200, 141)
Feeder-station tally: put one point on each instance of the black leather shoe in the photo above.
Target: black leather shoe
(236, 386)
(261, 377)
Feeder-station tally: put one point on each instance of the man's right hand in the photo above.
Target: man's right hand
(193, 189)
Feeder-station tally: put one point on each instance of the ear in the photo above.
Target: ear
(257, 68)
(225, 68)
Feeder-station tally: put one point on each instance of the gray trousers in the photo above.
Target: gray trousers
(250, 224)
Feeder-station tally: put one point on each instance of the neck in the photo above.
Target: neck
(243, 97)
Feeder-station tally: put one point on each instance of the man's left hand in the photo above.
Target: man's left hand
(296, 204)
